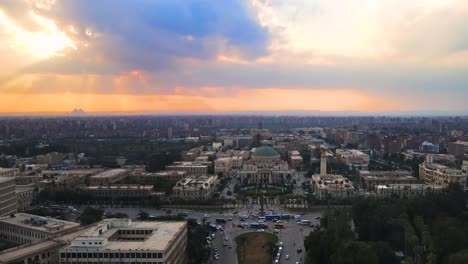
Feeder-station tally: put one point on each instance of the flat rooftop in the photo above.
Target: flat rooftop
(39, 223)
(120, 186)
(110, 173)
(5, 179)
(162, 234)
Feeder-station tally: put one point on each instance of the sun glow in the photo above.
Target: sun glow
(41, 44)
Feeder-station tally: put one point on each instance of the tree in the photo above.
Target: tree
(197, 247)
(90, 216)
(354, 252)
(143, 216)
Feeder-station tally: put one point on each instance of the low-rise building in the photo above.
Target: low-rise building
(196, 188)
(126, 241)
(406, 190)
(118, 191)
(370, 179)
(332, 186)
(354, 158)
(223, 166)
(109, 177)
(153, 177)
(458, 149)
(24, 228)
(7, 196)
(8, 172)
(295, 159)
(191, 168)
(438, 174)
(51, 159)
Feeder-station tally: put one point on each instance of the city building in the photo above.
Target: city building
(119, 191)
(354, 158)
(458, 149)
(8, 172)
(428, 147)
(223, 166)
(191, 168)
(196, 188)
(51, 159)
(190, 155)
(24, 228)
(126, 241)
(406, 190)
(109, 177)
(296, 161)
(370, 179)
(332, 186)
(438, 174)
(7, 196)
(63, 179)
(265, 167)
(24, 197)
(153, 177)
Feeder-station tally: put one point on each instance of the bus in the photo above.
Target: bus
(285, 216)
(220, 220)
(254, 225)
(270, 217)
(279, 225)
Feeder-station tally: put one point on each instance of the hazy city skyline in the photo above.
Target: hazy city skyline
(230, 56)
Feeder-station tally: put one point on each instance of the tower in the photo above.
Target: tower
(323, 165)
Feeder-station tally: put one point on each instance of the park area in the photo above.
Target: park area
(256, 248)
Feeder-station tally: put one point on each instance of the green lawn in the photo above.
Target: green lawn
(255, 247)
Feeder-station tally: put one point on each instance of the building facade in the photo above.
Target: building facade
(438, 174)
(24, 197)
(191, 168)
(109, 177)
(124, 241)
(195, 188)
(370, 179)
(7, 196)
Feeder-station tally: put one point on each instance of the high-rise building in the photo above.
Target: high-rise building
(323, 165)
(7, 196)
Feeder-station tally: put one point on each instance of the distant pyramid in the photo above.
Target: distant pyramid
(78, 112)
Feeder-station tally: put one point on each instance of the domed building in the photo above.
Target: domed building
(265, 153)
(265, 167)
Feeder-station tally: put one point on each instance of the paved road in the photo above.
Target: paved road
(292, 235)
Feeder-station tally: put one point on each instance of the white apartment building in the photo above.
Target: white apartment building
(126, 241)
(195, 188)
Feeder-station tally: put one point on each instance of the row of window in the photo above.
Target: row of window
(107, 255)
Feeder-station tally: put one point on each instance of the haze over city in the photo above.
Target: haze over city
(133, 57)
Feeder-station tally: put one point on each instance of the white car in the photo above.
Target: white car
(287, 257)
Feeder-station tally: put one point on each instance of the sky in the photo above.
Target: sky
(140, 56)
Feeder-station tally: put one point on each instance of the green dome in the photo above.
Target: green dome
(265, 152)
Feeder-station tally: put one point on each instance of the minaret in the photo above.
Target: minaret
(323, 165)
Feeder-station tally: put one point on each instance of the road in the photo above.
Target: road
(292, 235)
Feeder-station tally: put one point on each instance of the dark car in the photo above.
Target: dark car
(299, 250)
(241, 226)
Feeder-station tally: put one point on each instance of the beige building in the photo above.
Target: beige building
(24, 197)
(458, 149)
(370, 179)
(191, 168)
(26, 228)
(152, 177)
(126, 241)
(63, 179)
(109, 177)
(332, 186)
(195, 188)
(354, 158)
(28, 179)
(265, 167)
(438, 174)
(191, 155)
(7, 196)
(51, 159)
(8, 172)
(406, 190)
(295, 159)
(223, 165)
(115, 191)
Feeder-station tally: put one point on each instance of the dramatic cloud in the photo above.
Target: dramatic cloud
(212, 55)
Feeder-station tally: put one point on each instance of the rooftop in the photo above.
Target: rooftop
(159, 236)
(39, 223)
(5, 179)
(265, 151)
(110, 173)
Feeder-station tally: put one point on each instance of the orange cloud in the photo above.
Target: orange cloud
(273, 99)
